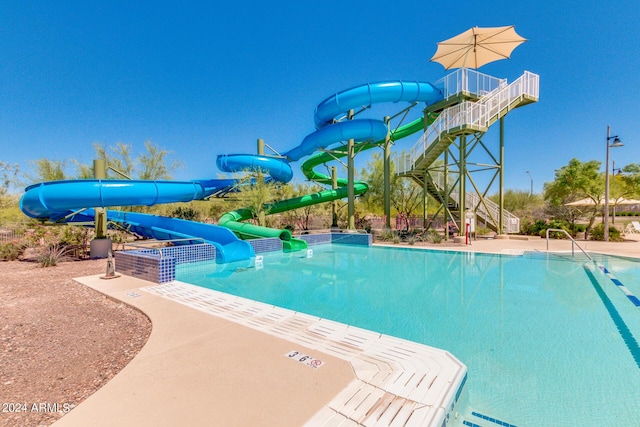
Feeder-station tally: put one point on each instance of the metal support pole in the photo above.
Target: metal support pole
(334, 204)
(606, 189)
(100, 172)
(350, 186)
(260, 147)
(260, 180)
(463, 175)
(425, 192)
(387, 175)
(445, 199)
(501, 170)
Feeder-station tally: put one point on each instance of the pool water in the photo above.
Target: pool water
(547, 339)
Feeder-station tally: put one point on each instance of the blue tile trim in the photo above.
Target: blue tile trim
(269, 244)
(491, 419)
(340, 238)
(316, 239)
(622, 327)
(634, 299)
(352, 239)
(159, 265)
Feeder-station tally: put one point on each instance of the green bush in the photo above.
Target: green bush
(11, 251)
(387, 235)
(533, 228)
(432, 236)
(50, 256)
(186, 212)
(597, 233)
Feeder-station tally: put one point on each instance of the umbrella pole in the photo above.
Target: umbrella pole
(501, 207)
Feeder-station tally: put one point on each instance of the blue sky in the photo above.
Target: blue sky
(208, 78)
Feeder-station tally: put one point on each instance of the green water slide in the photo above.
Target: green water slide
(366, 134)
(234, 220)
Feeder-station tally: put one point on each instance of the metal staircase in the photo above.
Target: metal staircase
(475, 108)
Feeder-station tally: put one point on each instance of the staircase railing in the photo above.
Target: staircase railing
(465, 80)
(478, 114)
(488, 211)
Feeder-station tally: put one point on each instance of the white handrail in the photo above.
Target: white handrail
(487, 210)
(573, 242)
(479, 114)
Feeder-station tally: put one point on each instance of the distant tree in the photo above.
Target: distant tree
(631, 178)
(406, 195)
(118, 158)
(521, 203)
(301, 218)
(148, 165)
(255, 194)
(83, 171)
(8, 177)
(153, 164)
(48, 170)
(572, 182)
(9, 210)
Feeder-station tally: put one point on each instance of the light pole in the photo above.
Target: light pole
(616, 143)
(531, 180)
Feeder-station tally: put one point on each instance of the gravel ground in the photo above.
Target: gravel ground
(59, 340)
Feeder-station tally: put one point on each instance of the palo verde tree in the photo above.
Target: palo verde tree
(406, 195)
(577, 180)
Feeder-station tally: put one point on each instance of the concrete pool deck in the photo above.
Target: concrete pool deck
(203, 366)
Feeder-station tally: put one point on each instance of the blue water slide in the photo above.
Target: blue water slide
(64, 199)
(55, 200)
(372, 93)
(278, 169)
(359, 130)
(329, 132)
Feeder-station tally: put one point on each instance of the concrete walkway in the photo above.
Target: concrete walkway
(199, 369)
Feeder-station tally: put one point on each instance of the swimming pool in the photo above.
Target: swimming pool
(548, 340)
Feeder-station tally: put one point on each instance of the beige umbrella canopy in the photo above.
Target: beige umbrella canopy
(614, 202)
(477, 46)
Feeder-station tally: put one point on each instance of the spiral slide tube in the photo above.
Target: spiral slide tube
(367, 133)
(62, 200)
(58, 200)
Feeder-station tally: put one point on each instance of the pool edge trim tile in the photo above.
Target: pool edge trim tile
(378, 362)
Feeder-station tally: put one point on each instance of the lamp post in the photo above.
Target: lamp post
(616, 143)
(531, 181)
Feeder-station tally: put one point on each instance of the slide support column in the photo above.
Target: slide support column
(350, 186)
(387, 176)
(334, 204)
(260, 180)
(501, 214)
(100, 172)
(463, 177)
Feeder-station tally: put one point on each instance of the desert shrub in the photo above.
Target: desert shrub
(51, 255)
(11, 251)
(74, 235)
(597, 233)
(411, 240)
(481, 230)
(186, 212)
(432, 236)
(387, 235)
(533, 228)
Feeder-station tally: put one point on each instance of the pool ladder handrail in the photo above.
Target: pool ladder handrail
(573, 242)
